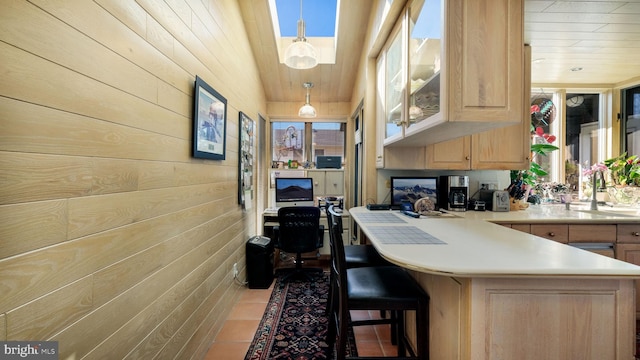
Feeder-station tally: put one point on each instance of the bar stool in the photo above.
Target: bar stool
(357, 256)
(360, 255)
(374, 288)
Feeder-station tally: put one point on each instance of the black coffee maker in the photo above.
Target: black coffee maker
(453, 192)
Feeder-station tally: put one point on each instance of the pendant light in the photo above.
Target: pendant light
(307, 111)
(300, 54)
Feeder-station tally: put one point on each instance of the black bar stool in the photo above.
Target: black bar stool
(374, 288)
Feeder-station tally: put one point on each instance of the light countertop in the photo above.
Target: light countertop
(578, 213)
(474, 247)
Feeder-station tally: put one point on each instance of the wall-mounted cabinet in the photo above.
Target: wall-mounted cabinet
(499, 149)
(451, 69)
(506, 148)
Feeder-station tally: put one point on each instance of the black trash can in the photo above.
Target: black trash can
(259, 262)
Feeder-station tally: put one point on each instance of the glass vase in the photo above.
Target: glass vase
(625, 195)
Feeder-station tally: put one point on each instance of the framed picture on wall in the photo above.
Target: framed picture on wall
(246, 160)
(209, 122)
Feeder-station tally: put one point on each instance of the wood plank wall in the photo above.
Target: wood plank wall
(113, 240)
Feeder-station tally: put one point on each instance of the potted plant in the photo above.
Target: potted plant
(522, 181)
(624, 170)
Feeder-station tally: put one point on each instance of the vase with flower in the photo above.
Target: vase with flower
(624, 172)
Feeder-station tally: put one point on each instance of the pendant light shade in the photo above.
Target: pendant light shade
(300, 54)
(307, 111)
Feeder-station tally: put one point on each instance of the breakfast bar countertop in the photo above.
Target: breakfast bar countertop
(469, 245)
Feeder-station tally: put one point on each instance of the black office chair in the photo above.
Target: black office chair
(299, 232)
(374, 288)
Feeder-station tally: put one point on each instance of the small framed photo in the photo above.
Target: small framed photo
(209, 122)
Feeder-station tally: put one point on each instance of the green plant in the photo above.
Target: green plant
(520, 179)
(624, 170)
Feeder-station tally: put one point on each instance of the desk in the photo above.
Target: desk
(497, 293)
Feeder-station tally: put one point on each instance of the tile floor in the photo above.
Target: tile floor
(233, 340)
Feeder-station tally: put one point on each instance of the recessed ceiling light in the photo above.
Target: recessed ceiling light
(577, 68)
(538, 61)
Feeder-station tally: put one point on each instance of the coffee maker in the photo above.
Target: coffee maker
(453, 192)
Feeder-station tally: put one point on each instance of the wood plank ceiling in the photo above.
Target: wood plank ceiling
(601, 37)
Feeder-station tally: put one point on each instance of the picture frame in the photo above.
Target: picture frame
(246, 159)
(209, 122)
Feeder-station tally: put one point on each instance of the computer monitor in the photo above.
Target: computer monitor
(294, 192)
(410, 189)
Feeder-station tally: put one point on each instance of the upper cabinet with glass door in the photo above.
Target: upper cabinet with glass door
(464, 70)
(395, 80)
(425, 34)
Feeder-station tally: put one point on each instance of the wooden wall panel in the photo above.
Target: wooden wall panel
(105, 218)
(3, 327)
(45, 316)
(70, 134)
(31, 226)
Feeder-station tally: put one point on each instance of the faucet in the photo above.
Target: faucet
(594, 201)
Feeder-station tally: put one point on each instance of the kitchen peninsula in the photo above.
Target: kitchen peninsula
(497, 293)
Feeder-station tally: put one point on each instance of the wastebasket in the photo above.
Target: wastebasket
(259, 262)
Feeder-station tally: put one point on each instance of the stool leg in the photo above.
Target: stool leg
(393, 314)
(422, 331)
(400, 333)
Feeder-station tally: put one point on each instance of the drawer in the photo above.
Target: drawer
(516, 226)
(628, 233)
(605, 249)
(522, 227)
(556, 232)
(592, 233)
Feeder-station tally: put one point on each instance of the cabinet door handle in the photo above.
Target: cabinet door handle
(635, 233)
(467, 157)
(551, 233)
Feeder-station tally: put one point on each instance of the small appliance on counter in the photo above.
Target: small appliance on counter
(328, 162)
(495, 200)
(453, 192)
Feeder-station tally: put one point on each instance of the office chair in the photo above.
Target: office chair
(374, 288)
(299, 231)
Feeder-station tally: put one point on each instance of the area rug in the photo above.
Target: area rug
(637, 339)
(294, 325)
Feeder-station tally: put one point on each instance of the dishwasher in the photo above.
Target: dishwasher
(602, 248)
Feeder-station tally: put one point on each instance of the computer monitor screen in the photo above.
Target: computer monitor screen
(294, 192)
(411, 189)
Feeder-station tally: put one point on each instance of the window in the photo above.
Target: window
(582, 128)
(543, 116)
(631, 123)
(288, 141)
(328, 139)
(303, 141)
(573, 120)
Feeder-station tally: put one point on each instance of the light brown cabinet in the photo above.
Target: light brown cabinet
(624, 237)
(468, 79)
(499, 149)
(506, 148)
(628, 250)
(327, 182)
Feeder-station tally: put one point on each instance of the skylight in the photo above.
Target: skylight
(320, 17)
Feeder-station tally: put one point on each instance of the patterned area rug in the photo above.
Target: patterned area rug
(637, 339)
(294, 325)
